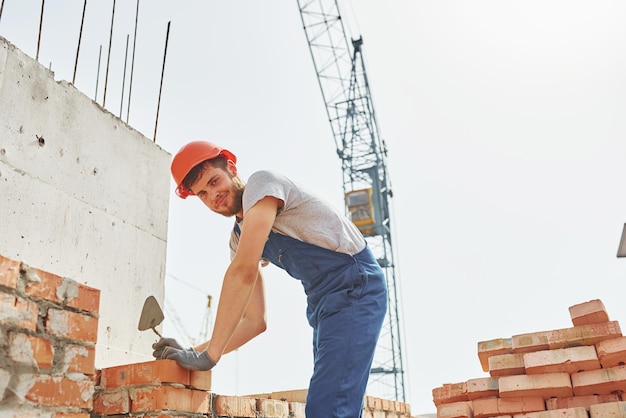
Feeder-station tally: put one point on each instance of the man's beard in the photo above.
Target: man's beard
(237, 201)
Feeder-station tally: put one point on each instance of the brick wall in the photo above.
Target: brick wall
(48, 329)
(576, 372)
(48, 332)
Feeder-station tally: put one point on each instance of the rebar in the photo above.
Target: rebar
(80, 36)
(106, 76)
(40, 26)
(124, 77)
(156, 122)
(132, 63)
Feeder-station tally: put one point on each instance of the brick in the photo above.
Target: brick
(234, 406)
(483, 387)
(30, 350)
(153, 372)
(272, 408)
(527, 343)
(156, 398)
(199, 379)
(72, 325)
(455, 410)
(506, 364)
(18, 312)
(112, 402)
(493, 347)
(612, 352)
(79, 359)
(590, 312)
(583, 335)
(600, 382)
(492, 407)
(569, 360)
(373, 402)
(9, 272)
(49, 390)
(62, 290)
(448, 393)
(70, 415)
(545, 385)
(558, 413)
(298, 395)
(368, 413)
(605, 410)
(297, 409)
(579, 401)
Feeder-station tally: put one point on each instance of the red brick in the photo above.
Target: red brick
(297, 395)
(494, 347)
(560, 413)
(605, 410)
(527, 343)
(153, 372)
(569, 360)
(112, 402)
(70, 415)
(448, 393)
(491, 407)
(455, 410)
(272, 408)
(79, 359)
(199, 379)
(18, 312)
(545, 385)
(48, 390)
(156, 398)
(506, 364)
(591, 312)
(72, 325)
(63, 290)
(30, 350)
(483, 387)
(579, 401)
(234, 406)
(297, 409)
(612, 352)
(583, 335)
(600, 382)
(9, 272)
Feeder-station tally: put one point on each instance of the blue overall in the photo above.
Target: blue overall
(347, 303)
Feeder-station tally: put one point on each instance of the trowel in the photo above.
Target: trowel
(151, 315)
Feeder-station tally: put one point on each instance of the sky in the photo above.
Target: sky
(504, 123)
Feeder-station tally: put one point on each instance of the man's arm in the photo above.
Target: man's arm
(252, 323)
(241, 277)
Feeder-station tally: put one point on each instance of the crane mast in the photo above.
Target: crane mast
(345, 90)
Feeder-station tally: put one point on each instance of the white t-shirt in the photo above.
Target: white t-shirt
(304, 216)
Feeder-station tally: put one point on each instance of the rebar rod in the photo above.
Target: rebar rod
(106, 76)
(156, 122)
(95, 97)
(80, 36)
(124, 76)
(132, 63)
(1, 7)
(40, 26)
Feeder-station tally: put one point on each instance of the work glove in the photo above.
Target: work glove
(189, 359)
(160, 345)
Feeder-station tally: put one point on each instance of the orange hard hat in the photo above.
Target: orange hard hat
(191, 155)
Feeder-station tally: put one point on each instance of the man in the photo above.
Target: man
(281, 222)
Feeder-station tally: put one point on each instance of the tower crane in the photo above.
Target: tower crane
(345, 90)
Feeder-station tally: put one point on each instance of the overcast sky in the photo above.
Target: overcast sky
(505, 126)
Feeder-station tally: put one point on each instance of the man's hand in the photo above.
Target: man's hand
(189, 359)
(160, 345)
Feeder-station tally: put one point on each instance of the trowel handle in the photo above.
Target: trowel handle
(157, 332)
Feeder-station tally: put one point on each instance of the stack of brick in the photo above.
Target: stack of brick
(162, 388)
(48, 331)
(576, 372)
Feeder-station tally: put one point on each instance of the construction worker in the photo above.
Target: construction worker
(279, 221)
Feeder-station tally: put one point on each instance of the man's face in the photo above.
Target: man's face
(220, 190)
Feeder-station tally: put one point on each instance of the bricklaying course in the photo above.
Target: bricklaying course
(48, 331)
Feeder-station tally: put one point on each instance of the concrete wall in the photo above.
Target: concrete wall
(82, 195)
